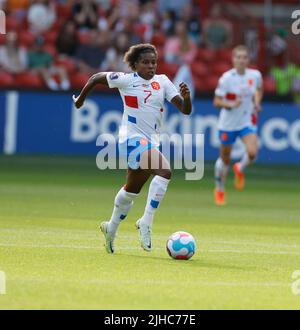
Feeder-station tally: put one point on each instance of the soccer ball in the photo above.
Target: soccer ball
(181, 245)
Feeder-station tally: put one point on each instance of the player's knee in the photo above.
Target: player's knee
(165, 173)
(252, 154)
(226, 160)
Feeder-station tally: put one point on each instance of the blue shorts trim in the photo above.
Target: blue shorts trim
(132, 150)
(229, 137)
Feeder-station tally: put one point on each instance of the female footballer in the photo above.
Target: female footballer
(238, 95)
(143, 93)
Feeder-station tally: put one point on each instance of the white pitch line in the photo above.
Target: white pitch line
(66, 246)
(89, 233)
(93, 234)
(74, 246)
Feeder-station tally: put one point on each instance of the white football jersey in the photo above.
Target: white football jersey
(143, 102)
(231, 86)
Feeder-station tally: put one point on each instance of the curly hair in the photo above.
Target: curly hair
(134, 52)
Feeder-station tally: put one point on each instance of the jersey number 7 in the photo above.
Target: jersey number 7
(147, 97)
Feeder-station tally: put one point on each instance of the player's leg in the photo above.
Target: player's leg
(161, 170)
(123, 203)
(47, 77)
(221, 170)
(63, 76)
(250, 142)
(154, 160)
(222, 165)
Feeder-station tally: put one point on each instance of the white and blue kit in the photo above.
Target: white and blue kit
(143, 102)
(239, 121)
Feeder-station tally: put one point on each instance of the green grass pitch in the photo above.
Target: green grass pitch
(53, 256)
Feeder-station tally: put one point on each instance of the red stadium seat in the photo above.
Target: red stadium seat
(199, 84)
(158, 39)
(6, 80)
(12, 23)
(26, 38)
(206, 55)
(199, 69)
(29, 80)
(169, 69)
(57, 24)
(211, 82)
(2, 39)
(140, 30)
(64, 11)
(218, 68)
(224, 55)
(67, 63)
(78, 80)
(269, 85)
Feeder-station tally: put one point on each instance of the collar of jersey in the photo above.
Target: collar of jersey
(240, 75)
(137, 75)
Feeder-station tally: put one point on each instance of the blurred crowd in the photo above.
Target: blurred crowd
(59, 43)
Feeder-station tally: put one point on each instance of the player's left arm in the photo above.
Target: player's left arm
(183, 101)
(258, 95)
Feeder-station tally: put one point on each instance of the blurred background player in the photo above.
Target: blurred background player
(238, 95)
(144, 91)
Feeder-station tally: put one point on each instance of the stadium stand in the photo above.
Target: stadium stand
(137, 19)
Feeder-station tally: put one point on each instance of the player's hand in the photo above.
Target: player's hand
(77, 101)
(184, 90)
(236, 103)
(257, 108)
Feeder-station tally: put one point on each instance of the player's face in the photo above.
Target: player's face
(146, 65)
(240, 60)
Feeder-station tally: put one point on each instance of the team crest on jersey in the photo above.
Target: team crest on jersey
(250, 82)
(113, 76)
(155, 85)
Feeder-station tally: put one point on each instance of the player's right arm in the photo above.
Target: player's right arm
(220, 103)
(97, 78)
(110, 79)
(220, 94)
